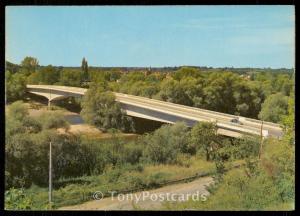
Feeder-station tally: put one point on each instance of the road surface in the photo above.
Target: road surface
(168, 112)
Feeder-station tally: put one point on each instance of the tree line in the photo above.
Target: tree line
(258, 94)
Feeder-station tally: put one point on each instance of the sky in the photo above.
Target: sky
(152, 36)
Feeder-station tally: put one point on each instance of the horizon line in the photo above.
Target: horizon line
(164, 66)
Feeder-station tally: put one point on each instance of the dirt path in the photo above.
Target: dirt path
(150, 200)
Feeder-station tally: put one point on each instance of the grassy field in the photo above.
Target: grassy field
(79, 190)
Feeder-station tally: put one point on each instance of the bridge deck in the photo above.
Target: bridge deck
(167, 112)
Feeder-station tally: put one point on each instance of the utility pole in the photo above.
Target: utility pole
(261, 138)
(50, 175)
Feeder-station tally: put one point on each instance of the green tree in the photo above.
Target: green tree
(18, 120)
(70, 77)
(33, 78)
(99, 108)
(18, 146)
(203, 137)
(69, 157)
(19, 156)
(186, 72)
(274, 107)
(114, 75)
(142, 88)
(13, 68)
(288, 120)
(15, 86)
(219, 92)
(165, 143)
(53, 120)
(245, 147)
(172, 91)
(279, 162)
(84, 68)
(48, 75)
(29, 65)
(27, 141)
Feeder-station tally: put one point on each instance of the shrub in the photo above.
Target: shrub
(17, 199)
(53, 120)
(132, 152)
(156, 179)
(165, 143)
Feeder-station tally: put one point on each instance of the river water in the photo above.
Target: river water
(74, 119)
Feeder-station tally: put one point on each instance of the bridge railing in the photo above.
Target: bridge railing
(204, 110)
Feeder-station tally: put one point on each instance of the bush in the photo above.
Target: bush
(165, 143)
(53, 120)
(15, 86)
(17, 111)
(17, 199)
(183, 160)
(132, 152)
(136, 182)
(113, 175)
(274, 107)
(155, 179)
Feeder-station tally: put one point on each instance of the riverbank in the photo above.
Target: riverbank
(77, 124)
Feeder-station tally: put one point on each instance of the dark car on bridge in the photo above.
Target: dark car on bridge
(236, 121)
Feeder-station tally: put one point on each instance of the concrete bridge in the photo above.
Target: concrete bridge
(166, 112)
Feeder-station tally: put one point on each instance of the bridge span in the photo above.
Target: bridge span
(167, 112)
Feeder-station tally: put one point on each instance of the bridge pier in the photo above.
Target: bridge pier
(49, 104)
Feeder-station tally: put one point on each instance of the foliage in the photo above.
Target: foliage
(288, 121)
(100, 109)
(165, 143)
(246, 188)
(173, 92)
(229, 90)
(48, 75)
(15, 86)
(203, 138)
(29, 65)
(245, 147)
(17, 110)
(71, 78)
(249, 192)
(77, 190)
(53, 120)
(186, 72)
(168, 153)
(279, 162)
(274, 107)
(84, 68)
(27, 140)
(17, 199)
